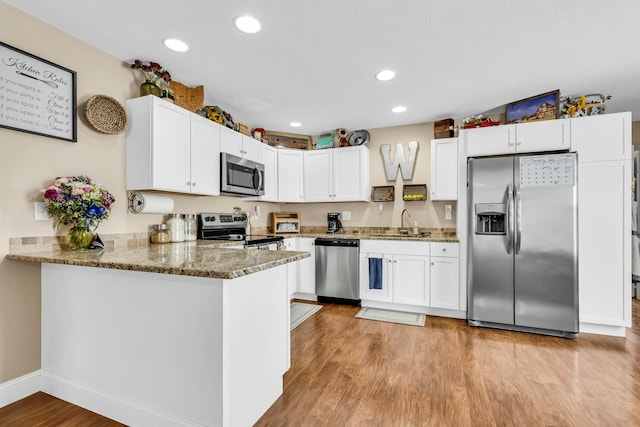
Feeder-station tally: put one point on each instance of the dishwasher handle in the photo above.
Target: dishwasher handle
(322, 241)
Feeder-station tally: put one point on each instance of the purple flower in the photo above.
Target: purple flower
(50, 194)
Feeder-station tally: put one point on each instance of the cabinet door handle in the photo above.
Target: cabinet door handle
(433, 263)
(193, 184)
(189, 183)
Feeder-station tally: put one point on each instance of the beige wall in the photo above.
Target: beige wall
(635, 133)
(427, 214)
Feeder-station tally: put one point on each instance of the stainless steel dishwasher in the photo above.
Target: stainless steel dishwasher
(337, 270)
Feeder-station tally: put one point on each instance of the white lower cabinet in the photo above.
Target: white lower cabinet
(301, 275)
(290, 244)
(414, 274)
(445, 276)
(411, 279)
(307, 266)
(405, 271)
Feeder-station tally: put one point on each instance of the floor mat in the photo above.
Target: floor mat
(301, 312)
(413, 319)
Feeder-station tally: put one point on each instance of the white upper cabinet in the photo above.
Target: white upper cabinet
(239, 145)
(547, 135)
(269, 156)
(444, 169)
(604, 137)
(205, 156)
(318, 174)
(169, 149)
(336, 175)
(351, 174)
(251, 148)
(490, 140)
(290, 176)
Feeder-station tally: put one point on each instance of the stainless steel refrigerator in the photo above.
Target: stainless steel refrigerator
(523, 243)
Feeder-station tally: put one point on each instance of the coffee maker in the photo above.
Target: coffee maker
(333, 222)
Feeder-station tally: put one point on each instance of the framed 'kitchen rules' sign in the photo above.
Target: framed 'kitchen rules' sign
(36, 96)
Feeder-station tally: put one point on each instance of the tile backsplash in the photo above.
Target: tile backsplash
(49, 243)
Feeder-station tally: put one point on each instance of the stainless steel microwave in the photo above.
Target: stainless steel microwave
(241, 176)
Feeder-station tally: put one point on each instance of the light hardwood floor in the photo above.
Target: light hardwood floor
(354, 372)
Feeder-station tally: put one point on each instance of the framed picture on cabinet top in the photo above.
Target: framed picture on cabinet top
(36, 95)
(540, 107)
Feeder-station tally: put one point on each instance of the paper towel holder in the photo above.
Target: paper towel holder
(147, 203)
(136, 202)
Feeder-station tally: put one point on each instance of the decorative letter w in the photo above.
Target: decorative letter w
(406, 167)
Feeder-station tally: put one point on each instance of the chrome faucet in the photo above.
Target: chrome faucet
(403, 229)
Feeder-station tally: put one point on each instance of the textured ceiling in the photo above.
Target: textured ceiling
(314, 61)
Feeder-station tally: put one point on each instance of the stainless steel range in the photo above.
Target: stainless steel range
(232, 226)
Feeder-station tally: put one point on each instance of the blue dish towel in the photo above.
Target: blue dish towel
(375, 273)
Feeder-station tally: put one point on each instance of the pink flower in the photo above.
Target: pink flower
(77, 191)
(88, 188)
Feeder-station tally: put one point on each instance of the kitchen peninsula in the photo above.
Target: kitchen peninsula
(159, 335)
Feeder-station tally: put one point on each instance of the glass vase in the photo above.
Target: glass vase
(149, 87)
(79, 237)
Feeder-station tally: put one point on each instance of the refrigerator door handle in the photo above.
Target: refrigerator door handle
(510, 225)
(518, 205)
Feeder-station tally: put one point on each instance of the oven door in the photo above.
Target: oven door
(241, 176)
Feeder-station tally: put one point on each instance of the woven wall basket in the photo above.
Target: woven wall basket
(190, 98)
(106, 115)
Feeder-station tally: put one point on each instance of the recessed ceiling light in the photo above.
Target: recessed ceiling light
(295, 124)
(247, 24)
(176, 45)
(385, 75)
(399, 109)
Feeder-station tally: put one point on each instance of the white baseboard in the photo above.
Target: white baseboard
(19, 388)
(117, 408)
(304, 296)
(592, 328)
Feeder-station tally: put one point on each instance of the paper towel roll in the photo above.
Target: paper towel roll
(149, 203)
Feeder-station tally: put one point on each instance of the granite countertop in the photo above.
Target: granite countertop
(381, 236)
(201, 258)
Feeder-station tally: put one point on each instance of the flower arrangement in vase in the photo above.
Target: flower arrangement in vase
(79, 202)
(154, 74)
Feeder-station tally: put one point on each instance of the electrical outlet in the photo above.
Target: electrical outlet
(346, 216)
(40, 212)
(447, 211)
